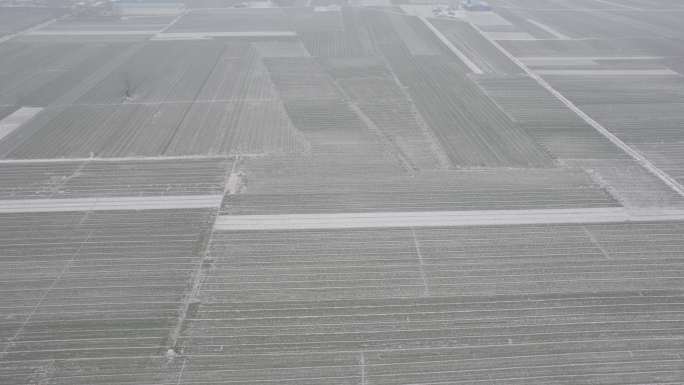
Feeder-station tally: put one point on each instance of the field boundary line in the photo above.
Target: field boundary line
(125, 159)
(17, 119)
(110, 203)
(417, 219)
(174, 21)
(27, 30)
(549, 30)
(469, 63)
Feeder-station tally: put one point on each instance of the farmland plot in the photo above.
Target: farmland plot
(37, 74)
(307, 20)
(416, 44)
(325, 115)
(332, 127)
(601, 258)
(630, 183)
(179, 98)
(84, 131)
(332, 44)
(247, 127)
(232, 20)
(268, 49)
(30, 180)
(103, 178)
(238, 111)
(331, 34)
(164, 129)
(579, 48)
(370, 86)
(291, 191)
(94, 24)
(294, 176)
(323, 301)
(162, 71)
(300, 78)
(476, 47)
(239, 74)
(588, 24)
(397, 119)
(519, 23)
(14, 19)
(103, 290)
(356, 67)
(472, 128)
(363, 114)
(667, 156)
(559, 130)
(645, 112)
(317, 108)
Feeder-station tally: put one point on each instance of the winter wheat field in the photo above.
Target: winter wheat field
(374, 193)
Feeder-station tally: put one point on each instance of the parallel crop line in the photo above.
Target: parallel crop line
(642, 160)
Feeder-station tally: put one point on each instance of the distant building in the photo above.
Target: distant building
(147, 7)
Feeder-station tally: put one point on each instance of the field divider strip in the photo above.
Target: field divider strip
(110, 203)
(209, 35)
(549, 30)
(16, 119)
(415, 219)
(123, 159)
(174, 21)
(667, 179)
(469, 63)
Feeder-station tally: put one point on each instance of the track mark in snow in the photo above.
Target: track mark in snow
(16, 119)
(174, 21)
(596, 242)
(550, 30)
(416, 244)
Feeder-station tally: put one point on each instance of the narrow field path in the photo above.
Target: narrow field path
(444, 218)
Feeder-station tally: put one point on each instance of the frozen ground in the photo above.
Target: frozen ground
(344, 195)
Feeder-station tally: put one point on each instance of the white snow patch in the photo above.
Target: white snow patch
(443, 218)
(16, 119)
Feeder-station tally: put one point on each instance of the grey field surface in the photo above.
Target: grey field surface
(363, 194)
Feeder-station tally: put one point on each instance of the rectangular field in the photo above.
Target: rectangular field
(232, 20)
(471, 303)
(282, 192)
(559, 130)
(471, 127)
(645, 112)
(93, 295)
(476, 47)
(160, 98)
(15, 19)
(118, 178)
